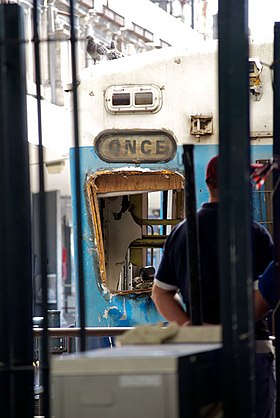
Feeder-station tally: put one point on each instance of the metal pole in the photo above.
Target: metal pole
(192, 14)
(90, 331)
(194, 285)
(164, 209)
(276, 200)
(234, 211)
(16, 334)
(78, 188)
(44, 362)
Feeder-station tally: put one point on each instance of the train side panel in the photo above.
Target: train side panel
(133, 104)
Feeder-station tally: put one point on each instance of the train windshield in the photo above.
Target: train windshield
(132, 214)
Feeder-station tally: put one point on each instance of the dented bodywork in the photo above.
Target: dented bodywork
(128, 154)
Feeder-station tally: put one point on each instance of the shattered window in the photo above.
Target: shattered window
(133, 212)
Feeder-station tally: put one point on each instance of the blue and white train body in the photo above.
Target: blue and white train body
(134, 115)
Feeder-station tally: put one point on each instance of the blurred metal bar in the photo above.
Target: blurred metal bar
(16, 348)
(164, 209)
(192, 249)
(79, 270)
(276, 200)
(42, 216)
(234, 216)
(192, 14)
(89, 331)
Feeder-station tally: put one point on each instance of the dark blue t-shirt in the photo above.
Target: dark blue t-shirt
(173, 267)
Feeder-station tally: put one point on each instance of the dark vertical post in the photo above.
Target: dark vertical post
(194, 285)
(80, 270)
(192, 14)
(234, 211)
(44, 362)
(164, 209)
(16, 335)
(276, 200)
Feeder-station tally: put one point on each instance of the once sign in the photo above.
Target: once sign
(135, 146)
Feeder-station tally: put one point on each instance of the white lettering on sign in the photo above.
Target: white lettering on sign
(146, 147)
(132, 147)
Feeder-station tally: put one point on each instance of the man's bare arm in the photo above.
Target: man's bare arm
(168, 305)
(261, 307)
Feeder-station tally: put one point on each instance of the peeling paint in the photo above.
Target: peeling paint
(124, 315)
(112, 309)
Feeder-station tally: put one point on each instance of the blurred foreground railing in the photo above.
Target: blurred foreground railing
(75, 332)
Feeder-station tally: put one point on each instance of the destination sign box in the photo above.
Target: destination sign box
(135, 146)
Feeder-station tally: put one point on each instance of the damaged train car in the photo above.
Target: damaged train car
(135, 113)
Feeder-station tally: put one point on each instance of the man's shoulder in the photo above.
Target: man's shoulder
(180, 227)
(179, 231)
(208, 207)
(261, 235)
(258, 227)
(176, 240)
(208, 212)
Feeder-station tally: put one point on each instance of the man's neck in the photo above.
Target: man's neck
(213, 199)
(213, 194)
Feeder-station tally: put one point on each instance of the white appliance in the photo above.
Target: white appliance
(151, 381)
